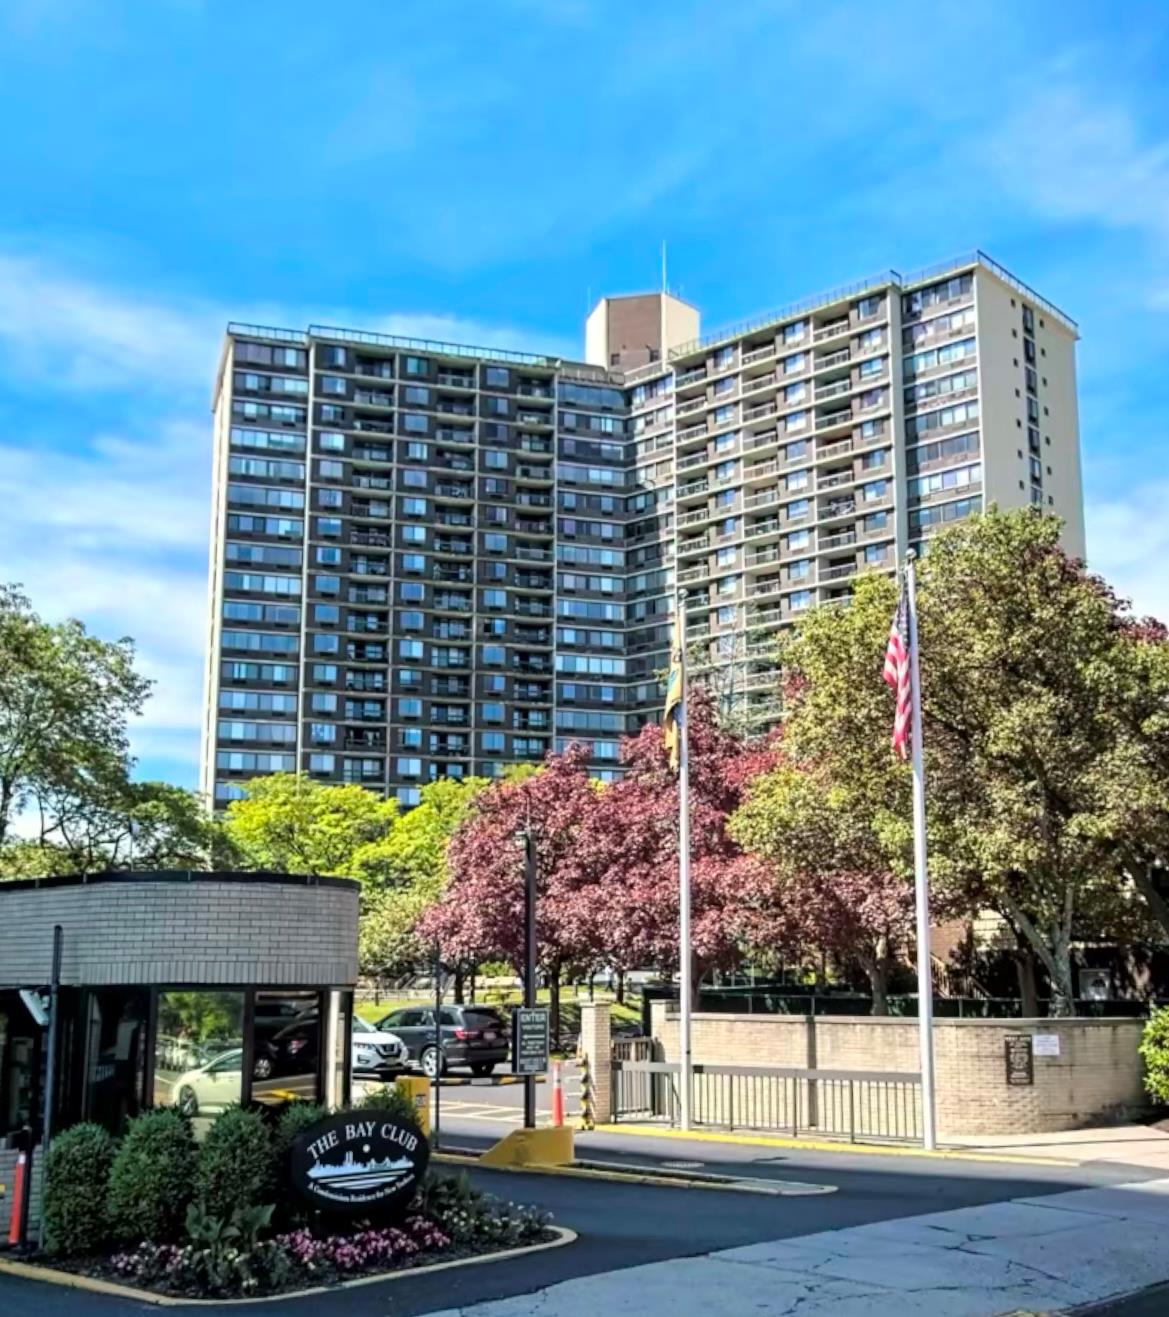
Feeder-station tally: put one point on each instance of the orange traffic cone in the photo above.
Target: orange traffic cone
(557, 1096)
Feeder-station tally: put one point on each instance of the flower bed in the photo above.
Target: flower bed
(461, 1223)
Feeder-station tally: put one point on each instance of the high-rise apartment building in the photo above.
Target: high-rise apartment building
(434, 560)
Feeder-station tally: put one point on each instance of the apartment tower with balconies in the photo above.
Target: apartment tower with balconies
(435, 560)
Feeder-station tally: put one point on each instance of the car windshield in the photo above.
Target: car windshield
(360, 1026)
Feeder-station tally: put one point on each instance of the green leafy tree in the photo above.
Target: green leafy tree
(66, 699)
(1030, 678)
(404, 873)
(292, 824)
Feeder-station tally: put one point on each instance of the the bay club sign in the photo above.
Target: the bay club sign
(359, 1161)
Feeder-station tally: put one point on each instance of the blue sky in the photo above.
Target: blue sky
(476, 172)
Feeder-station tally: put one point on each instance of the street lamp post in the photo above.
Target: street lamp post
(529, 963)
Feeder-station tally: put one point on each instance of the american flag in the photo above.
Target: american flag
(896, 674)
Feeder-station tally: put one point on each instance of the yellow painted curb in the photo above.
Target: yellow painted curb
(546, 1146)
(70, 1280)
(827, 1145)
(632, 1175)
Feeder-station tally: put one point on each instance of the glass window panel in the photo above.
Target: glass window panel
(286, 1062)
(115, 1055)
(198, 1053)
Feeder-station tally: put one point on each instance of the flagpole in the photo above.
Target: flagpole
(684, 956)
(925, 987)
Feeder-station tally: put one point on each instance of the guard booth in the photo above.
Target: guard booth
(175, 988)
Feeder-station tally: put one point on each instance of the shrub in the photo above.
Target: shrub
(1154, 1050)
(77, 1175)
(237, 1164)
(295, 1117)
(391, 1099)
(153, 1177)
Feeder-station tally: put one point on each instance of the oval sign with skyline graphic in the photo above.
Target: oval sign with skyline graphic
(359, 1162)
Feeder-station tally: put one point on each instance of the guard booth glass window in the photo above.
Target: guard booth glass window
(198, 1051)
(286, 1061)
(115, 1054)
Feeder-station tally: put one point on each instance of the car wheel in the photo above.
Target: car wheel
(188, 1103)
(482, 1067)
(262, 1068)
(432, 1065)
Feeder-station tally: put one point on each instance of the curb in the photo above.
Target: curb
(631, 1174)
(826, 1145)
(70, 1280)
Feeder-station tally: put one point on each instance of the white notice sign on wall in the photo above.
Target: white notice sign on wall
(1045, 1044)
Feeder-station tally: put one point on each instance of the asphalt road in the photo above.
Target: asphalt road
(623, 1225)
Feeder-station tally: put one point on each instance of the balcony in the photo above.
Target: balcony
(449, 407)
(764, 439)
(836, 541)
(532, 553)
(688, 574)
(688, 408)
(834, 419)
(455, 434)
(837, 358)
(371, 453)
(533, 581)
(838, 571)
(456, 548)
(530, 663)
(759, 384)
(378, 538)
(768, 585)
(450, 687)
(764, 499)
(444, 489)
(833, 390)
(691, 431)
(451, 379)
(690, 377)
(373, 397)
(530, 499)
(532, 693)
(760, 412)
(691, 460)
(532, 608)
(543, 391)
(826, 451)
(691, 490)
(759, 354)
(760, 617)
(461, 520)
(382, 370)
(760, 470)
(694, 518)
(699, 544)
(836, 480)
(758, 528)
(832, 330)
(368, 426)
(366, 682)
(452, 603)
(541, 419)
(442, 571)
(761, 557)
(839, 507)
(542, 474)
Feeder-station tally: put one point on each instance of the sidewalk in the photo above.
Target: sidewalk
(1031, 1255)
(1131, 1145)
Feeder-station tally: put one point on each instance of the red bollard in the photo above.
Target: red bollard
(14, 1221)
(557, 1097)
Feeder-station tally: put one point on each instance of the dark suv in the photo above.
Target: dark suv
(472, 1036)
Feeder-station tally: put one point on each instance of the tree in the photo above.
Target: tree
(66, 699)
(838, 888)
(481, 913)
(119, 825)
(1020, 651)
(293, 824)
(634, 848)
(404, 873)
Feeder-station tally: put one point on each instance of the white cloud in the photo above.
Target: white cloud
(1128, 544)
(113, 529)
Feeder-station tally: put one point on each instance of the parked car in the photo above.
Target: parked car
(208, 1088)
(472, 1037)
(377, 1053)
(294, 1049)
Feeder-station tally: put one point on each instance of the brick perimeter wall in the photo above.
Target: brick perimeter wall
(1095, 1079)
(175, 932)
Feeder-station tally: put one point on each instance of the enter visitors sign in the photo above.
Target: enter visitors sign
(529, 1041)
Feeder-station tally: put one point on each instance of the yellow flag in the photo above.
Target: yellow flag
(675, 711)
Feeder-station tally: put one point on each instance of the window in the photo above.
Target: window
(408, 797)
(321, 763)
(724, 414)
(795, 392)
(319, 732)
(494, 543)
(414, 423)
(726, 615)
(411, 592)
(410, 621)
(413, 507)
(874, 366)
(408, 767)
(414, 534)
(725, 442)
(875, 521)
(796, 362)
(797, 509)
(326, 614)
(725, 385)
(797, 480)
(799, 599)
(725, 498)
(410, 738)
(409, 707)
(870, 461)
(416, 394)
(494, 460)
(329, 498)
(800, 569)
(495, 406)
(325, 673)
(413, 562)
(796, 421)
(413, 477)
(417, 452)
(724, 357)
(410, 649)
(492, 655)
(869, 306)
(494, 598)
(493, 742)
(874, 490)
(329, 526)
(325, 644)
(793, 333)
(416, 365)
(491, 712)
(726, 557)
(799, 539)
(324, 702)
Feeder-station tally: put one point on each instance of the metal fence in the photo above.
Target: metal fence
(844, 1104)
